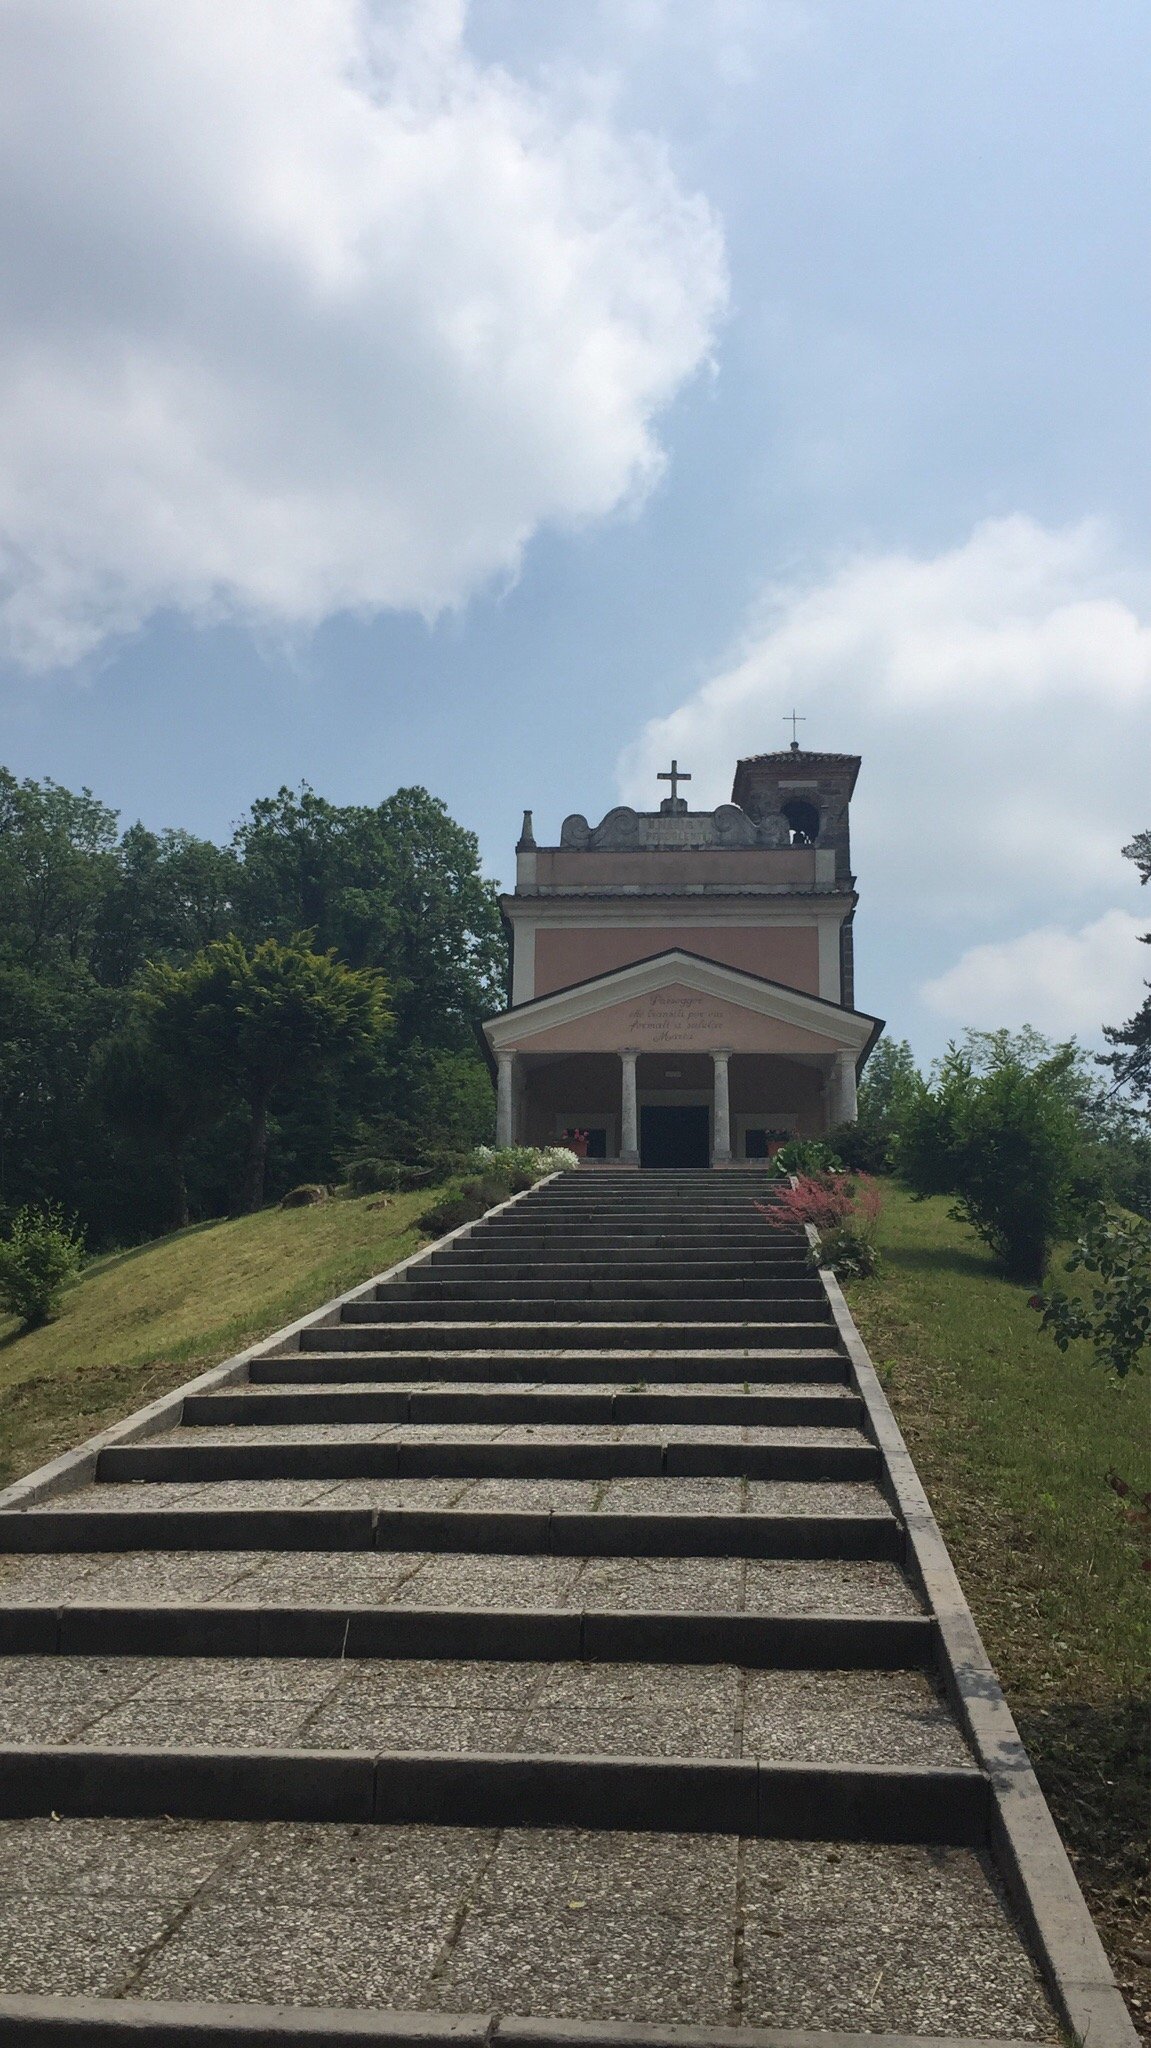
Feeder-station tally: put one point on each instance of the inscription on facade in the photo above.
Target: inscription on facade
(676, 1020)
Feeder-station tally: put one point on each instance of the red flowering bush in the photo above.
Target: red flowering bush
(843, 1207)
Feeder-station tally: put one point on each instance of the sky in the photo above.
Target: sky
(507, 397)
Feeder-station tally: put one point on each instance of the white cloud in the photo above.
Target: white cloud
(1000, 694)
(303, 309)
(1064, 982)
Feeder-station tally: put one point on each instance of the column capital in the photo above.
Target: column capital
(629, 1052)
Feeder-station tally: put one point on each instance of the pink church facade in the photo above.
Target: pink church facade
(682, 981)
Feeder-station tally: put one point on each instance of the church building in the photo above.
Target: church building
(682, 981)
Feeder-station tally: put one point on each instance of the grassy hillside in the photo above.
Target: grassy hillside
(1013, 1440)
(142, 1321)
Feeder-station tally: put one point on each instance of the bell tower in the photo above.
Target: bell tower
(812, 793)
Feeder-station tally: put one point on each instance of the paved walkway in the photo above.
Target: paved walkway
(541, 1636)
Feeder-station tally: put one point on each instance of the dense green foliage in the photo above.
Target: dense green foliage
(1018, 1130)
(1005, 1141)
(102, 1113)
(1115, 1317)
(41, 1251)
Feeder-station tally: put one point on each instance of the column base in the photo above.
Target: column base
(628, 1159)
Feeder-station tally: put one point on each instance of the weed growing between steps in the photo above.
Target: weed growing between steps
(1013, 1441)
(140, 1322)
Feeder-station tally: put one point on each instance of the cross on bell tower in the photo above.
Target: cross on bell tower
(675, 775)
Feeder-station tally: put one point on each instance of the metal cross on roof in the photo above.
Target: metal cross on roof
(793, 719)
(675, 775)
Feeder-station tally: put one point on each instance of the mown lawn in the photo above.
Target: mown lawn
(1013, 1440)
(139, 1322)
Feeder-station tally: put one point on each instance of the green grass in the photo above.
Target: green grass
(140, 1322)
(1013, 1440)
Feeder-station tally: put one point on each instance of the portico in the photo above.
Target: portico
(676, 1060)
(682, 981)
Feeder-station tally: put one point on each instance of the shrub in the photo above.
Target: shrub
(1007, 1142)
(536, 1160)
(39, 1255)
(843, 1208)
(390, 1176)
(306, 1196)
(805, 1156)
(1116, 1320)
(849, 1251)
(466, 1203)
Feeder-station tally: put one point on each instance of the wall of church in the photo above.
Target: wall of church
(560, 867)
(786, 953)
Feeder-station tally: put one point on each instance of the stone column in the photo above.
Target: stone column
(629, 1127)
(505, 1099)
(843, 1098)
(721, 1122)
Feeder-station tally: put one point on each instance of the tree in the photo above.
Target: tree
(886, 1090)
(57, 860)
(397, 886)
(1131, 1061)
(1005, 1139)
(158, 1096)
(260, 1020)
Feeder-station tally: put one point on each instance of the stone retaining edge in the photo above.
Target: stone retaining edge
(74, 1469)
(1025, 1840)
(33, 2022)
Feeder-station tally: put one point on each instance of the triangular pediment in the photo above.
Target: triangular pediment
(679, 1001)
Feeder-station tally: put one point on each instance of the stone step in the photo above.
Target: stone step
(653, 1264)
(633, 1229)
(487, 1336)
(331, 1559)
(755, 1642)
(819, 1367)
(439, 1454)
(580, 1707)
(804, 1802)
(254, 1406)
(463, 1532)
(659, 1494)
(633, 1933)
(393, 1305)
(625, 1287)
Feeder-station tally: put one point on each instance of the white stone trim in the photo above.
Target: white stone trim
(829, 959)
(524, 963)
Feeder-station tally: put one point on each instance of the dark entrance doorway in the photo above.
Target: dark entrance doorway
(674, 1135)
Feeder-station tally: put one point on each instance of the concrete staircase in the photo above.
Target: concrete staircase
(550, 1644)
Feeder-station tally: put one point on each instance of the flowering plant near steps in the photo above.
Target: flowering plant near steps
(537, 1160)
(1116, 1318)
(844, 1208)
